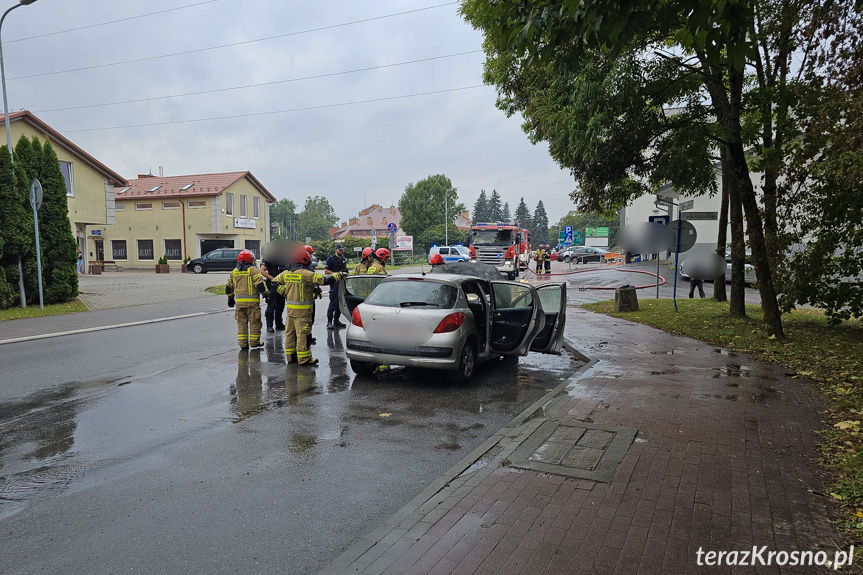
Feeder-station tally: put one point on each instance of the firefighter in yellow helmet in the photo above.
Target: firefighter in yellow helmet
(363, 266)
(379, 264)
(244, 289)
(297, 285)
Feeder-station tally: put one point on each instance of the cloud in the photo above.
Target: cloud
(345, 153)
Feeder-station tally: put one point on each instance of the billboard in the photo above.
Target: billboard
(404, 243)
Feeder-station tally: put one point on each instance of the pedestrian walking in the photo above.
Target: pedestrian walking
(547, 259)
(693, 283)
(297, 285)
(80, 261)
(335, 264)
(275, 312)
(244, 290)
(379, 263)
(365, 261)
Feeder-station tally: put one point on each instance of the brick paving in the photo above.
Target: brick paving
(112, 290)
(724, 459)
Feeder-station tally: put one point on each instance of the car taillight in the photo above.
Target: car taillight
(450, 323)
(356, 319)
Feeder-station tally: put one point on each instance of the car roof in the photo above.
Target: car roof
(439, 278)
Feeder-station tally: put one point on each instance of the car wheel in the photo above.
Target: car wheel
(466, 364)
(198, 269)
(362, 367)
(566, 259)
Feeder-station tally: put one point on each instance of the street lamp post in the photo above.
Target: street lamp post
(9, 130)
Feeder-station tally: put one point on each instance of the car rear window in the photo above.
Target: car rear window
(414, 293)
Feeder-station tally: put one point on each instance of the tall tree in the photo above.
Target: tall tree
(316, 219)
(506, 215)
(59, 266)
(425, 204)
(523, 218)
(283, 213)
(495, 210)
(28, 168)
(15, 233)
(480, 207)
(540, 224)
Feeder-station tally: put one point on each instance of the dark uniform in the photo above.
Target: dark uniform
(547, 259)
(297, 285)
(275, 301)
(335, 264)
(244, 288)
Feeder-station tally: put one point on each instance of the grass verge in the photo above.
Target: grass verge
(73, 306)
(218, 290)
(830, 356)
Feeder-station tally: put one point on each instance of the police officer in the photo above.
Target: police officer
(335, 263)
(379, 263)
(297, 285)
(365, 262)
(275, 301)
(244, 288)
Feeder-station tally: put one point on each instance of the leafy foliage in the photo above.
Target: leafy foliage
(435, 235)
(316, 219)
(283, 212)
(583, 221)
(16, 233)
(424, 204)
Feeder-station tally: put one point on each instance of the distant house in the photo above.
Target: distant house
(89, 183)
(374, 221)
(178, 216)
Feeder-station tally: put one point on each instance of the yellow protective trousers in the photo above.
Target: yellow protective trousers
(248, 326)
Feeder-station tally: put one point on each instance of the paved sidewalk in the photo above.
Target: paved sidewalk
(723, 460)
(112, 290)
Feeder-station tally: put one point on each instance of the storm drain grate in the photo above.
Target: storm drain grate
(575, 449)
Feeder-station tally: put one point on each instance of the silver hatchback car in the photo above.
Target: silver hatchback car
(447, 321)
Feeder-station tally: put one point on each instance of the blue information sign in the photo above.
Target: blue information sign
(567, 234)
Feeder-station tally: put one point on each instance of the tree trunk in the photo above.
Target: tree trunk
(738, 248)
(719, 293)
(754, 229)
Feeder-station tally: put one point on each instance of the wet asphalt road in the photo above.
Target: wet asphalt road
(163, 449)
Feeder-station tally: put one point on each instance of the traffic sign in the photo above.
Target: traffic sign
(664, 220)
(578, 238)
(392, 228)
(688, 235)
(36, 195)
(567, 234)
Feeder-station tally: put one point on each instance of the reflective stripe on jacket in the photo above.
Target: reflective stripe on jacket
(242, 284)
(299, 288)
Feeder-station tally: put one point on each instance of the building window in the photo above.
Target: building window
(145, 250)
(170, 205)
(197, 203)
(66, 168)
(244, 206)
(173, 250)
(119, 207)
(256, 206)
(143, 206)
(229, 204)
(118, 250)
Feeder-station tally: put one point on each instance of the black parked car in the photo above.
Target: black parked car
(582, 254)
(221, 260)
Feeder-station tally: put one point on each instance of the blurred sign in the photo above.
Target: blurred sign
(578, 238)
(96, 232)
(392, 228)
(688, 235)
(404, 243)
(245, 223)
(597, 232)
(700, 216)
(687, 205)
(664, 220)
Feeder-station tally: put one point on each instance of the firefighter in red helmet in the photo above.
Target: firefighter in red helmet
(379, 263)
(244, 289)
(365, 262)
(297, 284)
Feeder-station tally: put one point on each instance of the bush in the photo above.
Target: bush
(163, 260)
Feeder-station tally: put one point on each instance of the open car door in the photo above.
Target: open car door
(354, 290)
(552, 296)
(516, 317)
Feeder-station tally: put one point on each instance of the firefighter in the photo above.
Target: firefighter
(317, 290)
(244, 288)
(380, 261)
(547, 259)
(365, 262)
(540, 258)
(297, 285)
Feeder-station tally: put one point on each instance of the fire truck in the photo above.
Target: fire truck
(501, 245)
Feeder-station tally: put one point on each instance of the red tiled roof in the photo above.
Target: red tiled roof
(58, 139)
(172, 186)
(377, 214)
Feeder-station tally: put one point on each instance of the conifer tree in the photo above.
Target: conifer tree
(480, 208)
(495, 211)
(540, 223)
(16, 230)
(55, 232)
(522, 216)
(26, 170)
(507, 215)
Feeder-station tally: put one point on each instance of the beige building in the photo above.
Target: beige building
(89, 183)
(180, 216)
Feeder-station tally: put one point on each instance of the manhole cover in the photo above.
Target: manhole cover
(575, 449)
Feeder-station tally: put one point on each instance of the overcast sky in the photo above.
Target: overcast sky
(354, 155)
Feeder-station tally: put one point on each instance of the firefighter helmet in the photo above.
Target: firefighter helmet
(367, 252)
(246, 257)
(382, 253)
(303, 257)
(436, 260)
(309, 249)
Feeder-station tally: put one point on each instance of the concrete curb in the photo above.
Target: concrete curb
(452, 482)
(105, 327)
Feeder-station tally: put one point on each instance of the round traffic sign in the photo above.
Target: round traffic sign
(392, 227)
(36, 195)
(688, 235)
